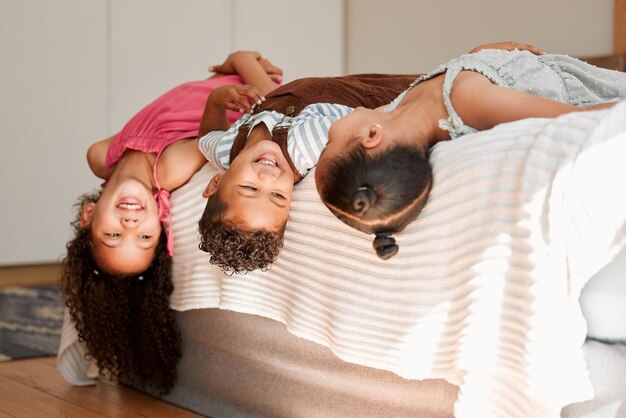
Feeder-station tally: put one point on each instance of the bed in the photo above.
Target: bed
(478, 315)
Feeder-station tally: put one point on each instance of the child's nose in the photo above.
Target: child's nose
(266, 174)
(129, 222)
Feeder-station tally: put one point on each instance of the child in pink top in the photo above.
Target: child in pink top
(117, 273)
(162, 136)
(174, 116)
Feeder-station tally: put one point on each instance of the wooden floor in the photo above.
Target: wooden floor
(30, 275)
(33, 388)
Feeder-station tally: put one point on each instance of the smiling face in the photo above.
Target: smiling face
(125, 227)
(256, 188)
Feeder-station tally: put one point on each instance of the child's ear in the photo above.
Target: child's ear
(374, 137)
(212, 187)
(86, 214)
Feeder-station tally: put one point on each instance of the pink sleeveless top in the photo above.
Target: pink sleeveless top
(174, 116)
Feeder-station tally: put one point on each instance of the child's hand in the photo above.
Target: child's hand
(237, 98)
(509, 46)
(229, 66)
(275, 73)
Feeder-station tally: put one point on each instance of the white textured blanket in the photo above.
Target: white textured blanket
(484, 291)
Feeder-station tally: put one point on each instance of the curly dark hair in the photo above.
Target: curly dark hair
(377, 194)
(235, 250)
(125, 321)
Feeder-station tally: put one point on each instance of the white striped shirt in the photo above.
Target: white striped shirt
(307, 136)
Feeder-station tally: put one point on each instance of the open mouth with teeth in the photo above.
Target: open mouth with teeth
(268, 159)
(130, 203)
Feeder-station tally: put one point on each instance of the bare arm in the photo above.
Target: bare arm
(255, 70)
(229, 97)
(482, 104)
(509, 46)
(96, 157)
(183, 159)
(179, 162)
(260, 76)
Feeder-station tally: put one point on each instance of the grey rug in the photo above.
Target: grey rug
(30, 321)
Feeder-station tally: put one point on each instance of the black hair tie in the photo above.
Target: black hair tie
(363, 200)
(385, 245)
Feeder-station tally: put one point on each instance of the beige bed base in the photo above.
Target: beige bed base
(239, 365)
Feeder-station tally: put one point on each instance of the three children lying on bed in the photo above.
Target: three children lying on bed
(373, 174)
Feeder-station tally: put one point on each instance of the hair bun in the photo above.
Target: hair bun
(385, 245)
(363, 200)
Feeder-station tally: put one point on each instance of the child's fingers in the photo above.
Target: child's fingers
(240, 102)
(242, 98)
(235, 106)
(270, 68)
(252, 93)
(536, 50)
(220, 69)
(527, 47)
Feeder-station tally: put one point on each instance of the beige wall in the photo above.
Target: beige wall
(52, 89)
(409, 36)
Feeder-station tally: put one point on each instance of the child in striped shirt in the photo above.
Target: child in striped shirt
(265, 154)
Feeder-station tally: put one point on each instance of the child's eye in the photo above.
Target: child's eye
(145, 237)
(245, 186)
(113, 234)
(278, 195)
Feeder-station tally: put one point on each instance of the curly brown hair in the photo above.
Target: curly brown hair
(235, 250)
(125, 321)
